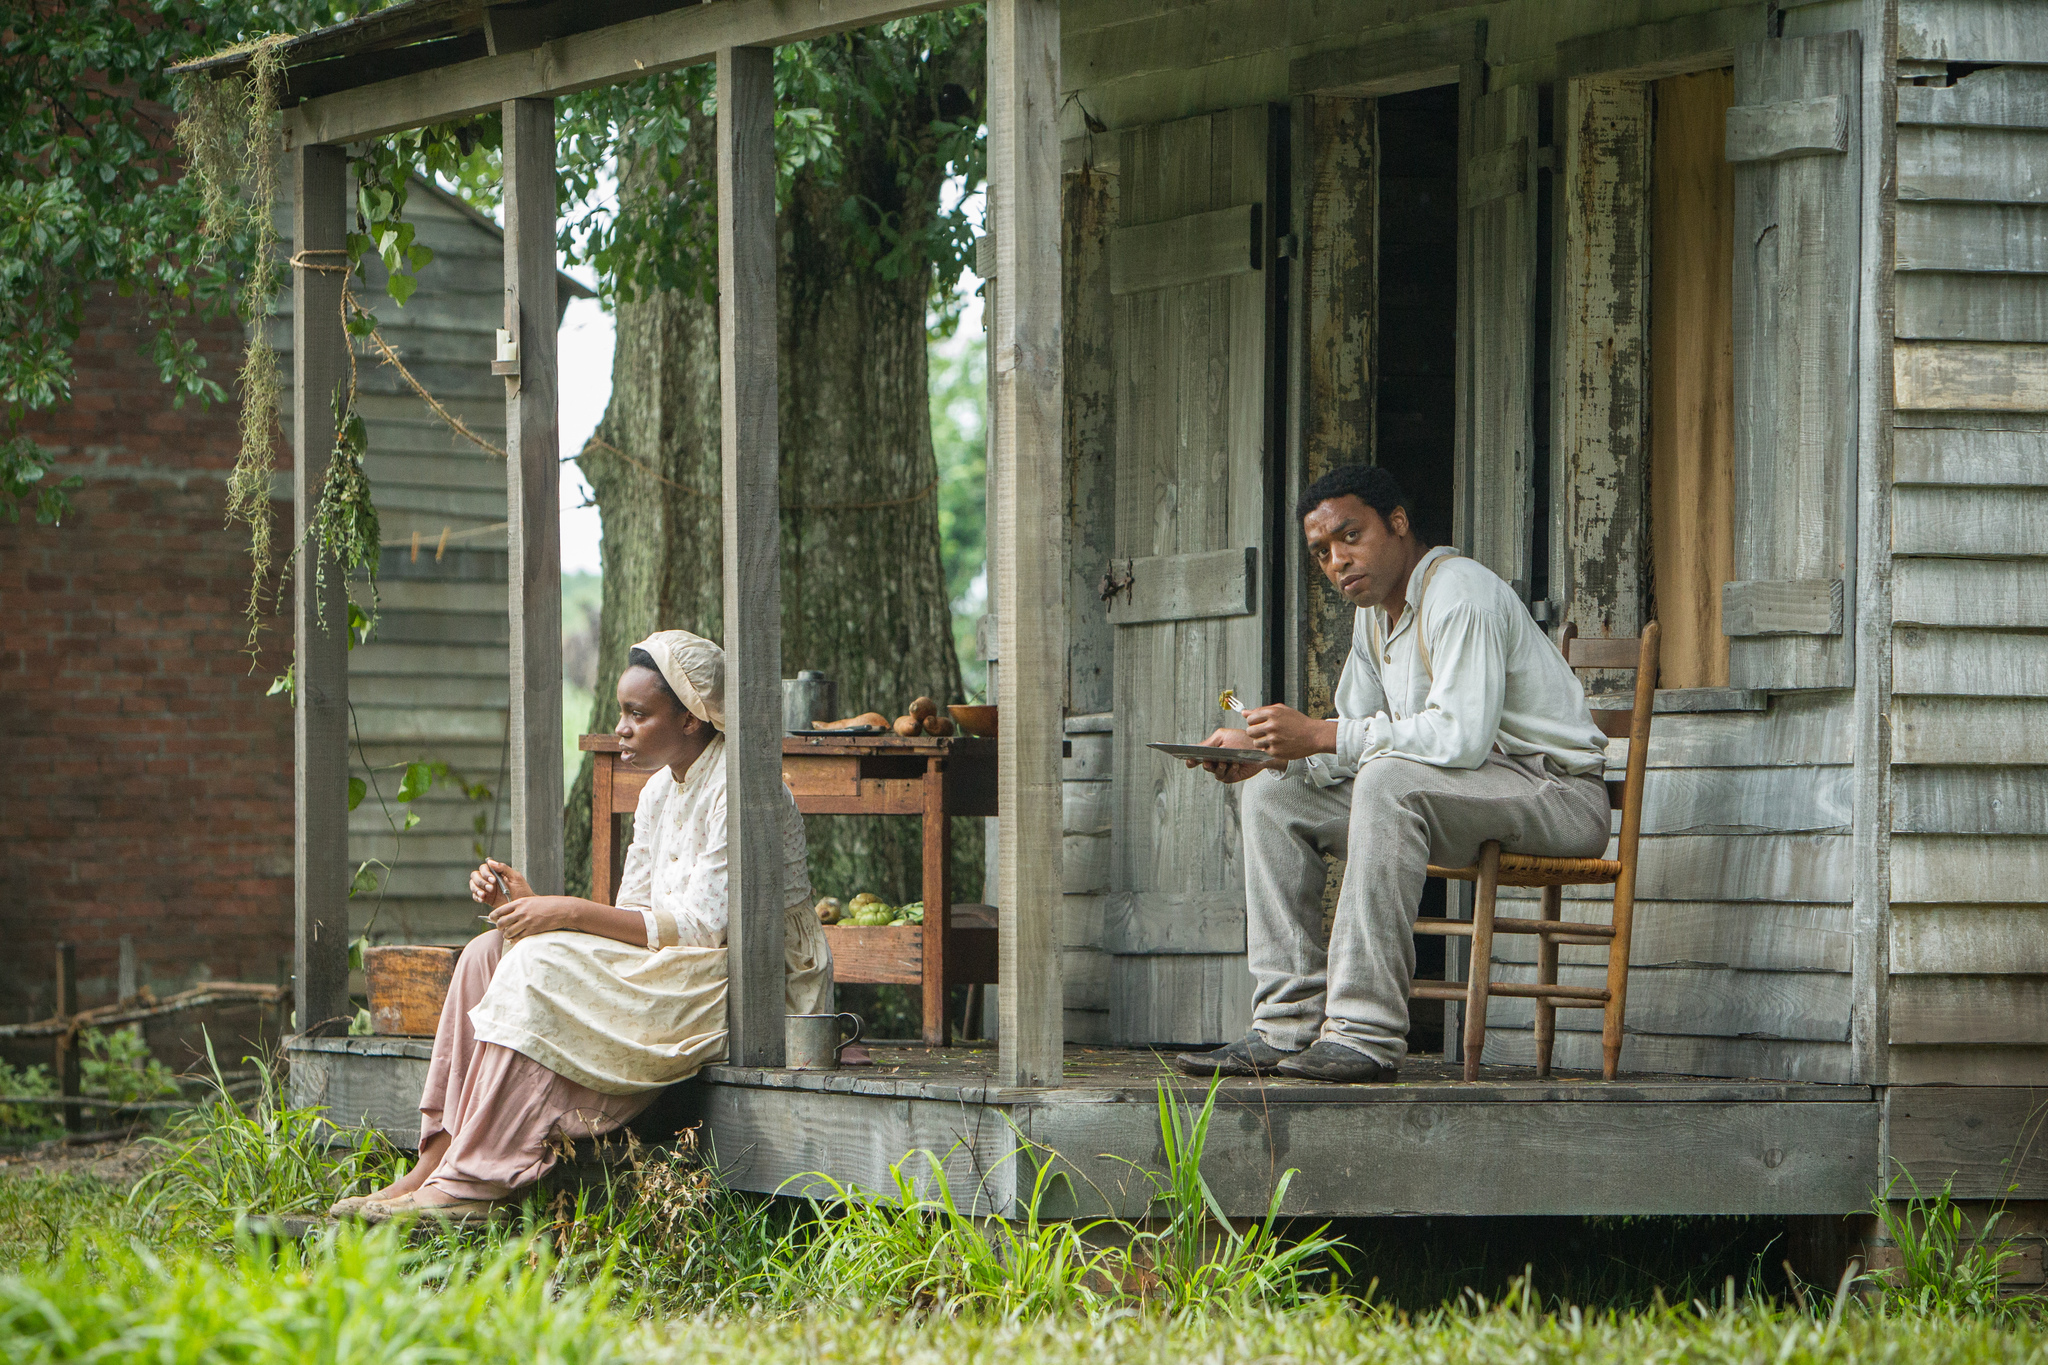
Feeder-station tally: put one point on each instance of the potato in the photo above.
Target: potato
(924, 706)
(938, 725)
(908, 726)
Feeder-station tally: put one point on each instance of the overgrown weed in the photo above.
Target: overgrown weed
(231, 1156)
(1946, 1267)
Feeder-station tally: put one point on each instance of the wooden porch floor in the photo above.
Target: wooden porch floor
(1431, 1143)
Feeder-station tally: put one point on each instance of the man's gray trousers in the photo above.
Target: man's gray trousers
(1389, 823)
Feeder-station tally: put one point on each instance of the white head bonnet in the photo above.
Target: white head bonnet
(694, 669)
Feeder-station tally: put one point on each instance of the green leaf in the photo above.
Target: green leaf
(356, 788)
(356, 946)
(419, 780)
(284, 683)
(400, 287)
(412, 817)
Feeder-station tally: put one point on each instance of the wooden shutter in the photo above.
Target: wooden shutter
(1794, 136)
(1498, 279)
(1193, 268)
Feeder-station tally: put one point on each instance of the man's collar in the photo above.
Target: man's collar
(1408, 589)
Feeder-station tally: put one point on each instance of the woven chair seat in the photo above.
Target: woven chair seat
(1527, 869)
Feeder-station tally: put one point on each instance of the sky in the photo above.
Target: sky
(584, 360)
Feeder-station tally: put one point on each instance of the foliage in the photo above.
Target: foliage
(19, 1122)
(118, 1066)
(864, 89)
(1199, 1260)
(1946, 1265)
(225, 1159)
(90, 199)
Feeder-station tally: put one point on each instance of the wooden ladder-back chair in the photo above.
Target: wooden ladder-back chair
(1496, 869)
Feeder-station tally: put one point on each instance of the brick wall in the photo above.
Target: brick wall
(150, 788)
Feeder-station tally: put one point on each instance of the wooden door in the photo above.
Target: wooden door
(1497, 336)
(1194, 279)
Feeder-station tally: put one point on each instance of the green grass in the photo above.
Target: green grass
(367, 1296)
(678, 1268)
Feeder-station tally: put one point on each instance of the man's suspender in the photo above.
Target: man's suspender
(1421, 640)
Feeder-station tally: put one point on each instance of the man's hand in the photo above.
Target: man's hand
(485, 881)
(531, 915)
(1285, 733)
(1230, 772)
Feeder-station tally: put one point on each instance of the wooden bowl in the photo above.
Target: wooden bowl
(975, 720)
(407, 985)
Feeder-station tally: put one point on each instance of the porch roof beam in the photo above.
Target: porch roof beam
(606, 56)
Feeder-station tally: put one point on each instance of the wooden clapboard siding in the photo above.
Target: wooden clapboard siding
(1970, 800)
(1711, 1002)
(1743, 929)
(1087, 811)
(1766, 936)
(1970, 663)
(1969, 730)
(1191, 431)
(1579, 1050)
(1958, 940)
(1969, 807)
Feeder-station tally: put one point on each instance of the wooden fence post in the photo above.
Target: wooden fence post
(66, 1051)
(1025, 420)
(749, 446)
(319, 613)
(533, 494)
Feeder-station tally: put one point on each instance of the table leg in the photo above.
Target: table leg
(938, 902)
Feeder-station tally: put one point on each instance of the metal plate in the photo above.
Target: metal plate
(1203, 753)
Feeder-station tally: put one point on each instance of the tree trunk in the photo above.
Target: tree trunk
(864, 594)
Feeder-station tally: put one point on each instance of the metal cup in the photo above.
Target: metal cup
(809, 696)
(812, 1042)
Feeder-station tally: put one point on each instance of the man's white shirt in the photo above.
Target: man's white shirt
(1494, 680)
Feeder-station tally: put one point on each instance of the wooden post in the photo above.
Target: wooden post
(319, 614)
(66, 1052)
(1030, 572)
(749, 447)
(937, 890)
(533, 495)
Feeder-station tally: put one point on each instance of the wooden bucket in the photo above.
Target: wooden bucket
(407, 985)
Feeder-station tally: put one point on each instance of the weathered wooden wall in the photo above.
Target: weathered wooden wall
(1968, 935)
(432, 684)
(1744, 954)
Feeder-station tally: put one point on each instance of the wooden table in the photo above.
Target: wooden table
(933, 779)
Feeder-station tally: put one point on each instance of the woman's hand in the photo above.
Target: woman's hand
(484, 884)
(531, 914)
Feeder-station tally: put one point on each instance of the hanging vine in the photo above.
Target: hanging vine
(228, 135)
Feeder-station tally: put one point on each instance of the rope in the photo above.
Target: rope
(384, 350)
(595, 444)
(391, 358)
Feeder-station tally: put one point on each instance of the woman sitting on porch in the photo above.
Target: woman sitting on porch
(567, 1017)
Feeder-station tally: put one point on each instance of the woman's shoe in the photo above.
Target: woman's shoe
(462, 1213)
(351, 1207)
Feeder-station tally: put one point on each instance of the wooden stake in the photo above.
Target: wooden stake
(66, 1055)
(1027, 529)
(749, 445)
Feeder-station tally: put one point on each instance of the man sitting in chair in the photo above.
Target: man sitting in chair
(1457, 722)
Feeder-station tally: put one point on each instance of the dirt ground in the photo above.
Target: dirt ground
(118, 1162)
